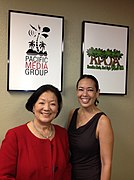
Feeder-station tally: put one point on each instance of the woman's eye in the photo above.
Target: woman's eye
(90, 90)
(41, 102)
(53, 104)
(80, 89)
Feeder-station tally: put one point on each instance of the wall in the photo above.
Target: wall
(118, 108)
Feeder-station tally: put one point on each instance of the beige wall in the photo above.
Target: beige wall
(119, 108)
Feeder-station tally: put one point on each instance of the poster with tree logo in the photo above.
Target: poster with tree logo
(104, 53)
(35, 54)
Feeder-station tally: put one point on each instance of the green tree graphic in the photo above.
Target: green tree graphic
(97, 56)
(104, 59)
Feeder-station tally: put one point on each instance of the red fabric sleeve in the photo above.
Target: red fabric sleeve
(8, 156)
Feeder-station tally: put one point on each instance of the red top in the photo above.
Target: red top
(23, 156)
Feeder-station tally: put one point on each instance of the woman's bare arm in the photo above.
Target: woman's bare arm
(106, 139)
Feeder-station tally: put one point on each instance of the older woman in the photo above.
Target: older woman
(39, 149)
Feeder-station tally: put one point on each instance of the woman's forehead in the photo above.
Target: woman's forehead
(86, 81)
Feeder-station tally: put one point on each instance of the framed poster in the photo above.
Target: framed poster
(104, 52)
(35, 51)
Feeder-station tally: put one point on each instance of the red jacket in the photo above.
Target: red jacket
(23, 156)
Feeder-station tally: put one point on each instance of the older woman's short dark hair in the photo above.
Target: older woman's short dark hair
(44, 88)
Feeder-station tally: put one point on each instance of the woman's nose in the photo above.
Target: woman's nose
(85, 92)
(46, 106)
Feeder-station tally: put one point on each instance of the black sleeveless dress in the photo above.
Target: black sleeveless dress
(85, 149)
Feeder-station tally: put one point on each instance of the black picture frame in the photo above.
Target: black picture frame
(104, 54)
(35, 50)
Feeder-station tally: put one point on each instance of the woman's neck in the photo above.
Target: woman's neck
(92, 109)
(46, 131)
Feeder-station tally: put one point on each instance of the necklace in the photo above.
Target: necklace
(46, 137)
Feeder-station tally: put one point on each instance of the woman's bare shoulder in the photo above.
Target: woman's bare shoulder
(105, 125)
